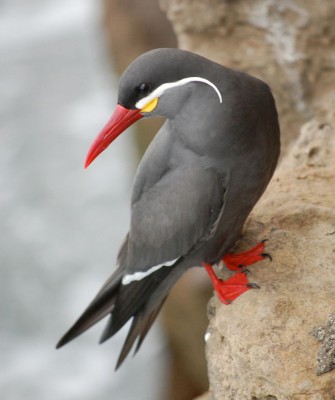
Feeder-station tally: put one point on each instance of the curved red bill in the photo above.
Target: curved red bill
(119, 121)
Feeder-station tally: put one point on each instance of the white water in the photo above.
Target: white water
(60, 226)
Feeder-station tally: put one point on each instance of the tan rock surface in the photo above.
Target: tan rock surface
(261, 347)
(289, 44)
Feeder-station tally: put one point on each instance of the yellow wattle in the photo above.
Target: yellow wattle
(150, 106)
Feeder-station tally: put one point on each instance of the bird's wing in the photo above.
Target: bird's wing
(173, 215)
(169, 220)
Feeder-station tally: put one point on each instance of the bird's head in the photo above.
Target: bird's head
(156, 84)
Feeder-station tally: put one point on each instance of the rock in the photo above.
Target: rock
(262, 347)
(133, 28)
(289, 44)
(326, 355)
(275, 342)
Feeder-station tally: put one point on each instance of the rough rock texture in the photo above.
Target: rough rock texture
(326, 355)
(262, 346)
(289, 44)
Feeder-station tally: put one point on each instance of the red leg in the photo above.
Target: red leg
(235, 262)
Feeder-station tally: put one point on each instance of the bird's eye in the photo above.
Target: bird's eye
(143, 88)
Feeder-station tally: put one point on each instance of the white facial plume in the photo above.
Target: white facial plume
(141, 104)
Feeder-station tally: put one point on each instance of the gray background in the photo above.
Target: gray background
(60, 226)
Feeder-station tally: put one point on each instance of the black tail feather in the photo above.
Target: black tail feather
(102, 305)
(91, 316)
(140, 326)
(106, 333)
(131, 300)
(140, 301)
(151, 319)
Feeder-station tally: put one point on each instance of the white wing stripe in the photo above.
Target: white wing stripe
(170, 85)
(137, 276)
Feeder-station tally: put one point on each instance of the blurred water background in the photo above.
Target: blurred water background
(61, 226)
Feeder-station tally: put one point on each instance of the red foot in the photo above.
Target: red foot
(230, 289)
(236, 285)
(235, 262)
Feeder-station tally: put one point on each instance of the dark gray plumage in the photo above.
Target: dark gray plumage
(195, 186)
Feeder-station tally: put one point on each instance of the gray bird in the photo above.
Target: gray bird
(196, 184)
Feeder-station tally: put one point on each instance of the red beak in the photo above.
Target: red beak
(119, 121)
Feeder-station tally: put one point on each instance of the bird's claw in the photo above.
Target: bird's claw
(253, 285)
(245, 270)
(236, 262)
(267, 255)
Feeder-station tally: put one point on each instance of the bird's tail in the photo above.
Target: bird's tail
(101, 306)
(140, 300)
